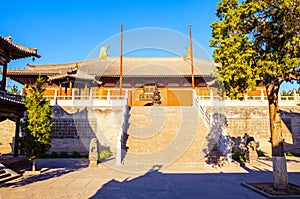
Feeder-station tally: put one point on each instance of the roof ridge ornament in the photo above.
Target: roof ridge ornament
(9, 38)
(103, 53)
(188, 56)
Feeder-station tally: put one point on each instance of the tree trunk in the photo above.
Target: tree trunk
(33, 164)
(33, 160)
(280, 177)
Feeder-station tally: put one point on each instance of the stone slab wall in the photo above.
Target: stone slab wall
(291, 125)
(7, 133)
(254, 121)
(75, 127)
(69, 145)
(249, 121)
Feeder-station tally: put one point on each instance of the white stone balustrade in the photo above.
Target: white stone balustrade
(261, 100)
(87, 100)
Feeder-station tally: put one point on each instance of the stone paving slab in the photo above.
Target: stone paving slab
(104, 182)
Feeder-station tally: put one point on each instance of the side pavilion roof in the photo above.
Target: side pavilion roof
(16, 51)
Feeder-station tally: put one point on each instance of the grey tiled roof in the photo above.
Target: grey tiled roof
(147, 66)
(132, 67)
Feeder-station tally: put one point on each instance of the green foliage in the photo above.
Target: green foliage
(76, 154)
(36, 125)
(260, 153)
(53, 155)
(63, 155)
(104, 154)
(237, 156)
(256, 41)
(44, 156)
(14, 90)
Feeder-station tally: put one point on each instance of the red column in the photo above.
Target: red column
(121, 58)
(192, 57)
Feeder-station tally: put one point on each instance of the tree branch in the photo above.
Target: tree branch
(293, 76)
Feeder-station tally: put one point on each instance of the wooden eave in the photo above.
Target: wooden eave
(17, 51)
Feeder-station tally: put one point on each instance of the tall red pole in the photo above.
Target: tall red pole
(121, 57)
(192, 57)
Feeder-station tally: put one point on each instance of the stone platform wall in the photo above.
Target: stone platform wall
(7, 133)
(75, 127)
(254, 121)
(291, 120)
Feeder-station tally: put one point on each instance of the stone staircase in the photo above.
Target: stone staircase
(165, 136)
(7, 174)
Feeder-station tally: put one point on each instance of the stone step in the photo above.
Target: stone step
(4, 175)
(168, 135)
(9, 178)
(7, 174)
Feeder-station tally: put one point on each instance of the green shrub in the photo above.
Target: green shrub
(104, 154)
(45, 156)
(291, 154)
(63, 155)
(260, 153)
(53, 155)
(76, 154)
(86, 155)
(237, 156)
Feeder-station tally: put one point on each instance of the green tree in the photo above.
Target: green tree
(257, 41)
(36, 125)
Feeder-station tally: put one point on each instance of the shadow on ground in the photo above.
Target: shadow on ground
(156, 184)
(53, 168)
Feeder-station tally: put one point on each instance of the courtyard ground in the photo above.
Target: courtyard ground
(71, 178)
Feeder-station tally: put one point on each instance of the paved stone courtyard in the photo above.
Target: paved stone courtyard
(71, 178)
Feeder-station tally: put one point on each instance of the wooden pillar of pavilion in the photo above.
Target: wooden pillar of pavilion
(3, 82)
(70, 89)
(86, 91)
(60, 90)
(4, 60)
(17, 132)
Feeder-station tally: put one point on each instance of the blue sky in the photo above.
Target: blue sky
(65, 31)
